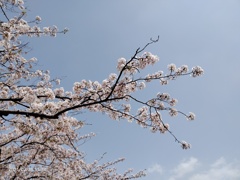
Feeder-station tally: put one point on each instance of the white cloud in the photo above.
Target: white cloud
(193, 169)
(184, 168)
(219, 162)
(156, 168)
(219, 170)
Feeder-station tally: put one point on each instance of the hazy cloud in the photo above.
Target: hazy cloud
(156, 168)
(193, 169)
(185, 167)
(219, 170)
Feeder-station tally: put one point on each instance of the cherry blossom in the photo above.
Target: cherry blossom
(39, 132)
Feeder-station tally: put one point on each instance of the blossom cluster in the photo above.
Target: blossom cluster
(132, 66)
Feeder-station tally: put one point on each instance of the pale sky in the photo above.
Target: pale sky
(200, 32)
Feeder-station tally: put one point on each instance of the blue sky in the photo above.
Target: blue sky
(201, 32)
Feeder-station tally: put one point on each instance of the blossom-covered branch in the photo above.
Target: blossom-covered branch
(39, 135)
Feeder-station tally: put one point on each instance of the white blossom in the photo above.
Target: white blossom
(173, 112)
(191, 116)
(121, 63)
(141, 85)
(184, 68)
(173, 102)
(38, 18)
(172, 67)
(185, 145)
(197, 71)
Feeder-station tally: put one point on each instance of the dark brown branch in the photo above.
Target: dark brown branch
(152, 41)
(41, 96)
(1, 145)
(4, 13)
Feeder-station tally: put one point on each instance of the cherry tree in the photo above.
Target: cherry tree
(39, 133)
